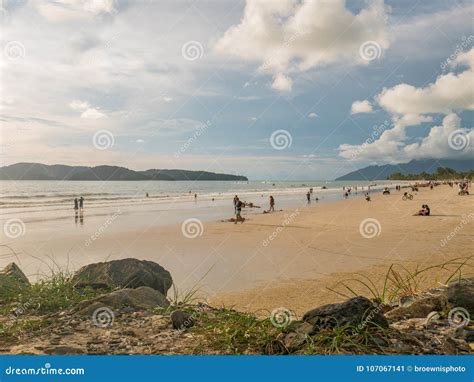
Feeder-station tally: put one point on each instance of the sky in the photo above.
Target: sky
(274, 90)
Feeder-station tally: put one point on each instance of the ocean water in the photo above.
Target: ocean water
(38, 200)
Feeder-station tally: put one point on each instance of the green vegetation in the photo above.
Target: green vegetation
(48, 295)
(442, 173)
(399, 281)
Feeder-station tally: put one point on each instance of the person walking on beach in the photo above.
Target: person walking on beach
(81, 204)
(76, 205)
(272, 204)
(238, 210)
(308, 197)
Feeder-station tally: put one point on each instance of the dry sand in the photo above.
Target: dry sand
(326, 245)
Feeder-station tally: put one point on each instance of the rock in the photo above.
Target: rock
(420, 308)
(182, 320)
(358, 311)
(465, 333)
(432, 319)
(125, 273)
(300, 331)
(136, 299)
(461, 294)
(12, 279)
(449, 346)
(63, 350)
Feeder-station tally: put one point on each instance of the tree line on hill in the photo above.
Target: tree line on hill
(442, 173)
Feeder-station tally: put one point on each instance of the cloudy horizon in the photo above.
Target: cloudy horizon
(268, 89)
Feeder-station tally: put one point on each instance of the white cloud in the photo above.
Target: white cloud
(287, 36)
(361, 107)
(312, 115)
(68, 10)
(441, 141)
(88, 112)
(411, 106)
(449, 92)
(282, 83)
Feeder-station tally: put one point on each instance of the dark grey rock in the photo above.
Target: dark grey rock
(461, 294)
(125, 273)
(358, 311)
(130, 299)
(182, 320)
(12, 279)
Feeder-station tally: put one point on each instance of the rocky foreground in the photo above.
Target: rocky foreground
(120, 307)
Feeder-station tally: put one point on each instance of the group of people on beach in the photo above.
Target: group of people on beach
(79, 210)
(238, 205)
(79, 205)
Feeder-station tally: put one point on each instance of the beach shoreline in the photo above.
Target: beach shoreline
(285, 258)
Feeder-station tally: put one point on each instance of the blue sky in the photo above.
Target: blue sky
(269, 89)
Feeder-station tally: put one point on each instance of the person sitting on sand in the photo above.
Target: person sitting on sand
(425, 211)
(367, 197)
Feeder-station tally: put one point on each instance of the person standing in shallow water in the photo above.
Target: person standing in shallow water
(81, 204)
(308, 197)
(76, 205)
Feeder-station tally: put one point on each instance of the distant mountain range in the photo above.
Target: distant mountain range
(413, 167)
(38, 171)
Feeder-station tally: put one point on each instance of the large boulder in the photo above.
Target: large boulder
(141, 298)
(12, 279)
(461, 294)
(357, 312)
(125, 273)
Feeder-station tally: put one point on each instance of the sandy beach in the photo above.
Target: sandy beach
(288, 258)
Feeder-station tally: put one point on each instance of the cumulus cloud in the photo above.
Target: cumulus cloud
(288, 36)
(361, 107)
(88, 112)
(446, 141)
(411, 106)
(449, 92)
